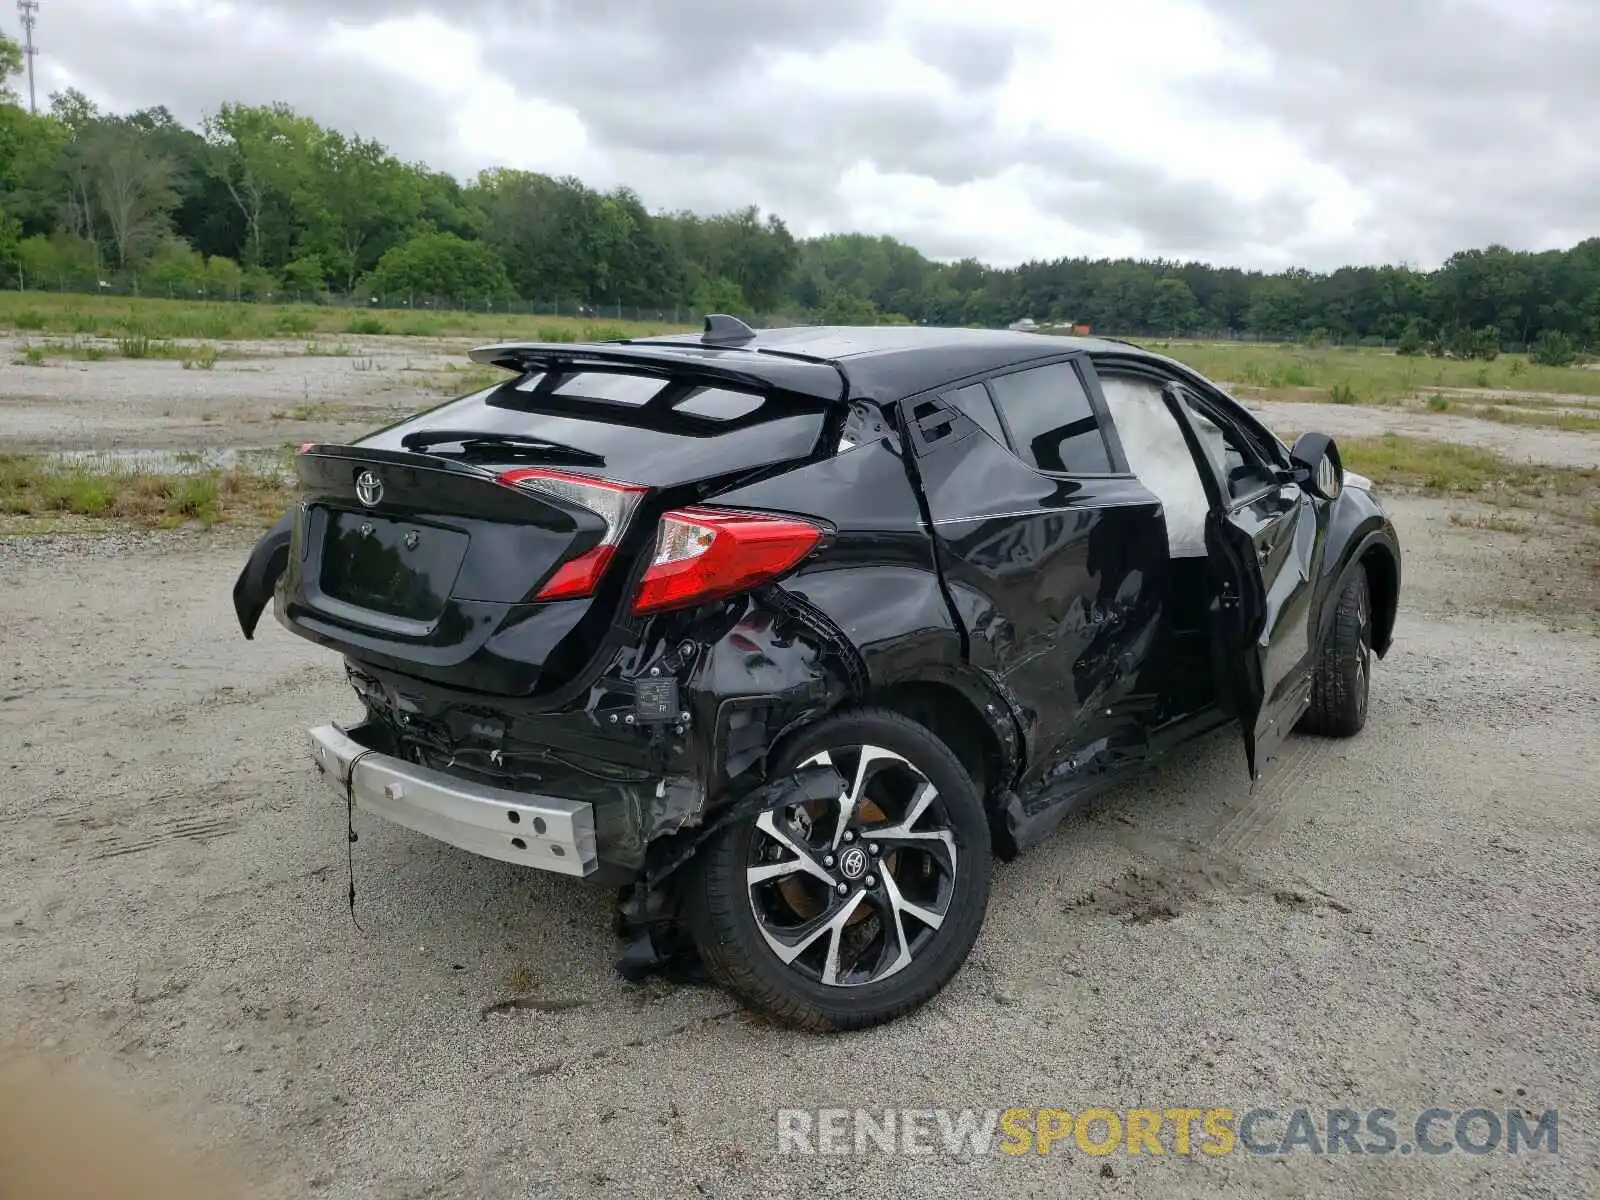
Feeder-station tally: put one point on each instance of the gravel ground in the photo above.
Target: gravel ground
(280, 395)
(1403, 920)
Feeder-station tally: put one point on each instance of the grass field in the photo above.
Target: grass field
(1570, 495)
(1432, 466)
(1358, 375)
(121, 317)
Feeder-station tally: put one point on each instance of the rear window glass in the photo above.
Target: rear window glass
(1052, 420)
(611, 387)
(974, 401)
(719, 404)
(635, 391)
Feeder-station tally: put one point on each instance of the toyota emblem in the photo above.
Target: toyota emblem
(369, 488)
(853, 863)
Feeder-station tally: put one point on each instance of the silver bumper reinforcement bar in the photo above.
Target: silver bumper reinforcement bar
(546, 832)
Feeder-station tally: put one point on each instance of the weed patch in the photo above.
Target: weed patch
(35, 486)
(1447, 467)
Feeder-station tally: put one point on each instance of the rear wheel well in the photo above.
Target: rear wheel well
(1383, 586)
(952, 718)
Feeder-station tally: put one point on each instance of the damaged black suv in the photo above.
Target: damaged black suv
(787, 634)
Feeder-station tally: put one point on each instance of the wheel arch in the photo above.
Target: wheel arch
(1382, 566)
(945, 711)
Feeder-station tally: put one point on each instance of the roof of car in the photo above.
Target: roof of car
(883, 362)
(889, 361)
(856, 341)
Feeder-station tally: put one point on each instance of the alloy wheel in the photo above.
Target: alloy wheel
(849, 891)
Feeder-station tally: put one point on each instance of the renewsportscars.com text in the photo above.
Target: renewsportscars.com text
(1210, 1132)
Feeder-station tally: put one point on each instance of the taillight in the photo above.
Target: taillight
(612, 502)
(707, 553)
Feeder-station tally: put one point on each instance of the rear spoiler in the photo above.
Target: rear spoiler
(712, 363)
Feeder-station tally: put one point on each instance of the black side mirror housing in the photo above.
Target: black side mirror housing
(1318, 467)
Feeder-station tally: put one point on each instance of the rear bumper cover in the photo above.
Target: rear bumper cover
(546, 832)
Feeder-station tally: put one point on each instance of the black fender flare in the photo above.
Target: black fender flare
(1381, 540)
(252, 591)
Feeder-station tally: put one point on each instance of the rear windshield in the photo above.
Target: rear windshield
(650, 429)
(602, 385)
(610, 387)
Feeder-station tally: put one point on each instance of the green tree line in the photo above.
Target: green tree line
(262, 202)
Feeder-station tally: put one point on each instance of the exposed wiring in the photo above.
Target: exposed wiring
(350, 828)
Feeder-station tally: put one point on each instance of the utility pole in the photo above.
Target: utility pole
(30, 13)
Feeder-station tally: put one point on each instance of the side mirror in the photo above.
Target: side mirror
(1317, 465)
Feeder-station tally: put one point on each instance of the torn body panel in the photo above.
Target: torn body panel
(687, 715)
(878, 588)
(253, 590)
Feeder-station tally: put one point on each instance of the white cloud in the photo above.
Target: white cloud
(493, 125)
(1252, 132)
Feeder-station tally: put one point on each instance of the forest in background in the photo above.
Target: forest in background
(265, 203)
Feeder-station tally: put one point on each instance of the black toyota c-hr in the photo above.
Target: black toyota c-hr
(787, 634)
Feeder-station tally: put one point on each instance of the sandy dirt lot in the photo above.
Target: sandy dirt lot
(277, 394)
(1405, 920)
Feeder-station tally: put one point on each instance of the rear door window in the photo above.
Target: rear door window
(1053, 424)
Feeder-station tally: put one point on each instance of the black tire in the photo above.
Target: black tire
(721, 907)
(1343, 676)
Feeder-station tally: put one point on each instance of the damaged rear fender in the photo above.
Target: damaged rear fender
(786, 663)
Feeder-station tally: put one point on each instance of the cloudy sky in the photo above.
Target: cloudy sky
(1262, 133)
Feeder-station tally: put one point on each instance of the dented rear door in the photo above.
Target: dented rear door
(1057, 576)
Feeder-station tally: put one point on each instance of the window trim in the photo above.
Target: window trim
(1230, 501)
